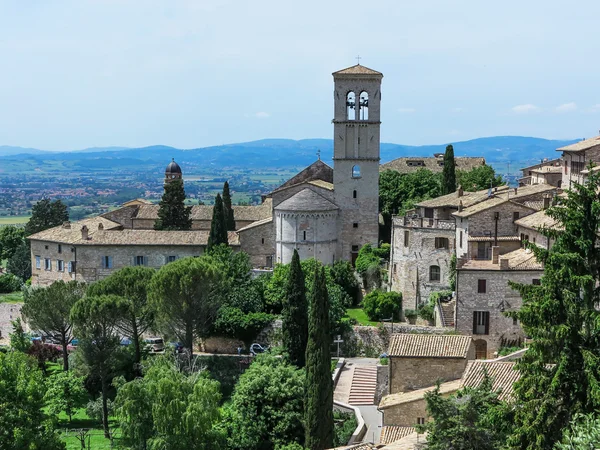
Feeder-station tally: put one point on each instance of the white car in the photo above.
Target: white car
(154, 344)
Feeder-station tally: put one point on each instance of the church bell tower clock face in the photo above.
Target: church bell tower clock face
(356, 153)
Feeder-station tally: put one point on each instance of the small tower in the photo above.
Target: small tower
(356, 125)
(172, 172)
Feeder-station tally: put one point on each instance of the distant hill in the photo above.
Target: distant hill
(498, 151)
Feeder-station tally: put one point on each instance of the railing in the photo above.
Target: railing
(425, 222)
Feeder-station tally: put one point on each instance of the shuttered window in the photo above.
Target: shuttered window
(107, 262)
(481, 322)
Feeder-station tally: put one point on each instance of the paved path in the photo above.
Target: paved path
(373, 419)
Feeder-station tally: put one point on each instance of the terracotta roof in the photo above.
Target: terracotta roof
(534, 204)
(550, 162)
(393, 433)
(71, 231)
(402, 398)
(137, 201)
(492, 238)
(453, 200)
(488, 204)
(357, 70)
(406, 164)
(520, 259)
(256, 224)
(548, 169)
(503, 375)
(413, 441)
(306, 200)
(429, 346)
(316, 171)
(581, 145)
(536, 221)
(322, 184)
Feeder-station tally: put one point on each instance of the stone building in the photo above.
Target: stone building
(576, 158)
(325, 213)
(546, 172)
(434, 164)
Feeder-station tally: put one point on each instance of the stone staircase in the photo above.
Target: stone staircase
(364, 386)
(448, 313)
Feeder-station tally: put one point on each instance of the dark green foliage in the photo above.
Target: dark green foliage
(235, 323)
(10, 283)
(46, 214)
(228, 209)
(19, 263)
(131, 283)
(449, 172)
(43, 354)
(65, 392)
(266, 407)
(426, 310)
(319, 385)
(295, 315)
(345, 424)
(342, 274)
(481, 177)
(379, 305)
(452, 276)
(11, 238)
(225, 369)
(172, 212)
(473, 419)
(218, 226)
(48, 309)
(19, 340)
(368, 265)
(561, 368)
(383, 251)
(24, 424)
(583, 433)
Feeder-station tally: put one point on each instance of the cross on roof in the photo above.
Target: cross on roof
(358, 58)
(319, 154)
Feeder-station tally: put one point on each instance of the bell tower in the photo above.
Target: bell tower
(356, 125)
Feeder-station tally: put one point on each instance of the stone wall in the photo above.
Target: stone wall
(8, 313)
(259, 242)
(406, 414)
(54, 252)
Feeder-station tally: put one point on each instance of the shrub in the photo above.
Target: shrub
(380, 305)
(410, 314)
(383, 251)
(233, 322)
(425, 311)
(94, 409)
(9, 283)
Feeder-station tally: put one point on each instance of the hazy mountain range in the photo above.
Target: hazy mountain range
(498, 150)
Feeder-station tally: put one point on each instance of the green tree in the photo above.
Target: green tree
(19, 263)
(295, 315)
(172, 212)
(379, 305)
(449, 172)
(49, 309)
(218, 226)
(266, 406)
(95, 320)
(481, 177)
(46, 214)
(131, 283)
(25, 425)
(19, 340)
(583, 433)
(473, 419)
(368, 265)
(228, 209)
(560, 372)
(235, 323)
(65, 392)
(343, 275)
(319, 386)
(186, 297)
(11, 238)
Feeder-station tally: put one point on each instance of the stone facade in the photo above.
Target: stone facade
(409, 374)
(258, 240)
(8, 313)
(576, 158)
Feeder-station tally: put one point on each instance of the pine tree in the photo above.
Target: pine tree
(561, 368)
(218, 230)
(172, 213)
(46, 214)
(295, 315)
(227, 208)
(318, 405)
(449, 173)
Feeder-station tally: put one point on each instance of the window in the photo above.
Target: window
(441, 242)
(59, 248)
(406, 238)
(481, 286)
(46, 247)
(428, 212)
(481, 322)
(171, 258)
(356, 171)
(304, 235)
(262, 241)
(72, 249)
(515, 215)
(140, 260)
(71, 266)
(434, 273)
(420, 420)
(47, 264)
(566, 168)
(38, 262)
(515, 321)
(364, 105)
(355, 248)
(355, 225)
(577, 166)
(460, 239)
(536, 282)
(60, 265)
(354, 194)
(107, 262)
(351, 106)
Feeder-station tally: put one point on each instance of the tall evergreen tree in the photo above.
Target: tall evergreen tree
(227, 208)
(318, 405)
(449, 173)
(218, 229)
(172, 212)
(561, 368)
(295, 315)
(46, 214)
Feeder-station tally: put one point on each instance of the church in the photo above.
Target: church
(326, 213)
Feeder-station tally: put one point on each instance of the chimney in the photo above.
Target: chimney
(66, 224)
(84, 233)
(515, 191)
(495, 254)
(546, 202)
(460, 206)
(100, 227)
(503, 264)
(459, 191)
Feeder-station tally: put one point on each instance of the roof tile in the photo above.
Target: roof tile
(429, 346)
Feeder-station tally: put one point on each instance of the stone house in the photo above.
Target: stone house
(435, 164)
(576, 158)
(528, 228)
(502, 373)
(418, 361)
(546, 172)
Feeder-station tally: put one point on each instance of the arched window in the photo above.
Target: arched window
(434, 273)
(351, 106)
(364, 105)
(356, 171)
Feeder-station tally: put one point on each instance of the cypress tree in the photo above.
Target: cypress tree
(318, 406)
(228, 209)
(449, 174)
(218, 231)
(172, 212)
(295, 315)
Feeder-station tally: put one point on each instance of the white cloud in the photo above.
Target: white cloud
(258, 115)
(567, 107)
(406, 110)
(526, 109)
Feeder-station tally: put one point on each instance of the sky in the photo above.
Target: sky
(196, 73)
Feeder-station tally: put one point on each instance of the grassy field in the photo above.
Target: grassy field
(13, 297)
(359, 315)
(97, 441)
(12, 220)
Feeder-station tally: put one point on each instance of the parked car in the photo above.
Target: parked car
(154, 344)
(256, 349)
(75, 342)
(36, 337)
(176, 347)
